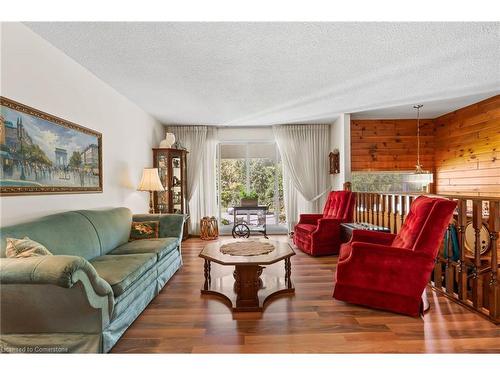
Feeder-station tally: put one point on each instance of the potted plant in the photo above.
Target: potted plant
(248, 198)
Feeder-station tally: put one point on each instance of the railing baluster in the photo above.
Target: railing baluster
(389, 211)
(361, 207)
(383, 209)
(355, 213)
(372, 207)
(477, 280)
(377, 207)
(403, 209)
(368, 196)
(449, 274)
(462, 277)
(364, 207)
(396, 199)
(494, 226)
(358, 206)
(367, 212)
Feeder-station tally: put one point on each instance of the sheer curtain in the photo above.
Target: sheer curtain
(204, 199)
(201, 143)
(193, 139)
(304, 151)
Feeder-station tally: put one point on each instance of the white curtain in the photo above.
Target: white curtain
(204, 199)
(304, 151)
(193, 139)
(200, 142)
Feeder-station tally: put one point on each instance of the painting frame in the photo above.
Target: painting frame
(43, 190)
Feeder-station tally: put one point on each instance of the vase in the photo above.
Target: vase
(168, 141)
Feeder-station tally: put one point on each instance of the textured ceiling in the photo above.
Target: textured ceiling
(430, 109)
(270, 73)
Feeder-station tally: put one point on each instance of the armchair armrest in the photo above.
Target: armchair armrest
(370, 236)
(371, 250)
(382, 267)
(309, 218)
(328, 224)
(171, 225)
(327, 230)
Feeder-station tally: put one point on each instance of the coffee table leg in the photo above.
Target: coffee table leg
(288, 272)
(206, 272)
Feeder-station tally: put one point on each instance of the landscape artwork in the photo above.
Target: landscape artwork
(43, 154)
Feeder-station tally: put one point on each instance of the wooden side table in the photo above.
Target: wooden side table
(347, 228)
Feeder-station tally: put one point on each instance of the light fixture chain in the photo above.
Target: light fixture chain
(418, 166)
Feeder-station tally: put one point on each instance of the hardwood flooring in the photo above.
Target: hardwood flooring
(181, 320)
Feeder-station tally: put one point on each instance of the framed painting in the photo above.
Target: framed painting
(44, 154)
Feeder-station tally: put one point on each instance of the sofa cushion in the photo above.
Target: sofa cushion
(112, 226)
(159, 246)
(121, 271)
(67, 233)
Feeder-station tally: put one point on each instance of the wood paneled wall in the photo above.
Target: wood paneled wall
(467, 150)
(461, 147)
(390, 145)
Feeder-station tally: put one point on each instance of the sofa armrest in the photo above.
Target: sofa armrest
(370, 236)
(171, 225)
(60, 270)
(309, 218)
(65, 289)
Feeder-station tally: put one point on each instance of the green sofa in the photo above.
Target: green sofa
(84, 297)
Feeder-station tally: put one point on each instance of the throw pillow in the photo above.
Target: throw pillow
(144, 229)
(24, 248)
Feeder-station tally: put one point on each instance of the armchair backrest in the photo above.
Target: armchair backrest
(339, 205)
(425, 225)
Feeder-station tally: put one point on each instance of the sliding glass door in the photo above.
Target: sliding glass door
(250, 166)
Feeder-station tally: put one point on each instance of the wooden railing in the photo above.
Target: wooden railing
(466, 268)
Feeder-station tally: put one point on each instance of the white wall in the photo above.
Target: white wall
(341, 139)
(37, 74)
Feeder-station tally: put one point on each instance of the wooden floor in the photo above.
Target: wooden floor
(180, 320)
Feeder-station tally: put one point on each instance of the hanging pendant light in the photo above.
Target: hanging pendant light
(419, 167)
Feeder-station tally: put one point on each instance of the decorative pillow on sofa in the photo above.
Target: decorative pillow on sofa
(24, 248)
(144, 229)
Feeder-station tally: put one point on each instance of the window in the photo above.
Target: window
(390, 182)
(250, 167)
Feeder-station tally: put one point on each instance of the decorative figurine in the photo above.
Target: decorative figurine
(168, 141)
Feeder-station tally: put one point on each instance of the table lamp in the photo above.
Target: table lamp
(150, 181)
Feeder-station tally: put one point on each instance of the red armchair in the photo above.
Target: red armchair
(388, 271)
(319, 234)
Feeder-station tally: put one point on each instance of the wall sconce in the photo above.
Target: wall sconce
(334, 161)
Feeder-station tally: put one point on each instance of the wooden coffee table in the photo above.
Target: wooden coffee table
(249, 287)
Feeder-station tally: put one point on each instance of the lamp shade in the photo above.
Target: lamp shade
(150, 180)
